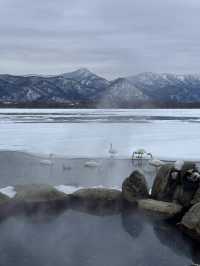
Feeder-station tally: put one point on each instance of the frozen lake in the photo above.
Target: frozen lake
(88, 133)
(124, 239)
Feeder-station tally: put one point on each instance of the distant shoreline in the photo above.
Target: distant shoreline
(86, 105)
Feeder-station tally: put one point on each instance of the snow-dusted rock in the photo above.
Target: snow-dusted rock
(8, 191)
(172, 184)
(67, 189)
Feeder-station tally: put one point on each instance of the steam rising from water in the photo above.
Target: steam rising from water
(79, 239)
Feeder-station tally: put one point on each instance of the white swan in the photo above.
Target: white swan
(112, 151)
(156, 162)
(91, 164)
(47, 162)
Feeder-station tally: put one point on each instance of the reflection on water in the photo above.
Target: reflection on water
(76, 238)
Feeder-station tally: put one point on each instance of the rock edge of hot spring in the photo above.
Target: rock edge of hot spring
(174, 196)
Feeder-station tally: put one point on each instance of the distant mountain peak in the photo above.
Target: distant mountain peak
(83, 70)
(79, 72)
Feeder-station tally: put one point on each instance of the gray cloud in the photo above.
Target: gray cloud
(111, 37)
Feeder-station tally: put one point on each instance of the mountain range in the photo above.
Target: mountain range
(82, 88)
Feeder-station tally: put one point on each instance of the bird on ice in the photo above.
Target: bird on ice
(156, 162)
(112, 151)
(91, 164)
(47, 162)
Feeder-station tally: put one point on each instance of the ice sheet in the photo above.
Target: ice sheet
(171, 134)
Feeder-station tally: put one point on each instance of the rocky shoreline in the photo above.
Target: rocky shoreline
(175, 195)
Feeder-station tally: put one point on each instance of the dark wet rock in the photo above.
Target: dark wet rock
(36, 197)
(162, 189)
(160, 208)
(3, 199)
(196, 198)
(4, 205)
(183, 196)
(190, 222)
(187, 185)
(135, 187)
(99, 201)
(175, 186)
(186, 167)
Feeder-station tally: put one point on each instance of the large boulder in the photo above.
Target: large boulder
(183, 196)
(172, 185)
(160, 208)
(190, 222)
(162, 188)
(39, 197)
(135, 187)
(4, 204)
(99, 201)
(3, 199)
(196, 198)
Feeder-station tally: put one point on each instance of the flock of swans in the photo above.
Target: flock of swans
(139, 155)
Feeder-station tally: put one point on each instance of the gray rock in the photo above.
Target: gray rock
(39, 197)
(3, 199)
(183, 196)
(179, 190)
(4, 205)
(37, 193)
(196, 198)
(99, 201)
(160, 208)
(135, 187)
(161, 189)
(190, 222)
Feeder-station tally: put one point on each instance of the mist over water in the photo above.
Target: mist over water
(76, 238)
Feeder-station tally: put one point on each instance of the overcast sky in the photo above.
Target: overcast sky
(110, 37)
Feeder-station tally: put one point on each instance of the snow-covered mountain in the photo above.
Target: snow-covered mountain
(122, 91)
(69, 87)
(168, 87)
(84, 86)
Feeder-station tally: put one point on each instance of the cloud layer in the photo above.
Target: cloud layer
(111, 37)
